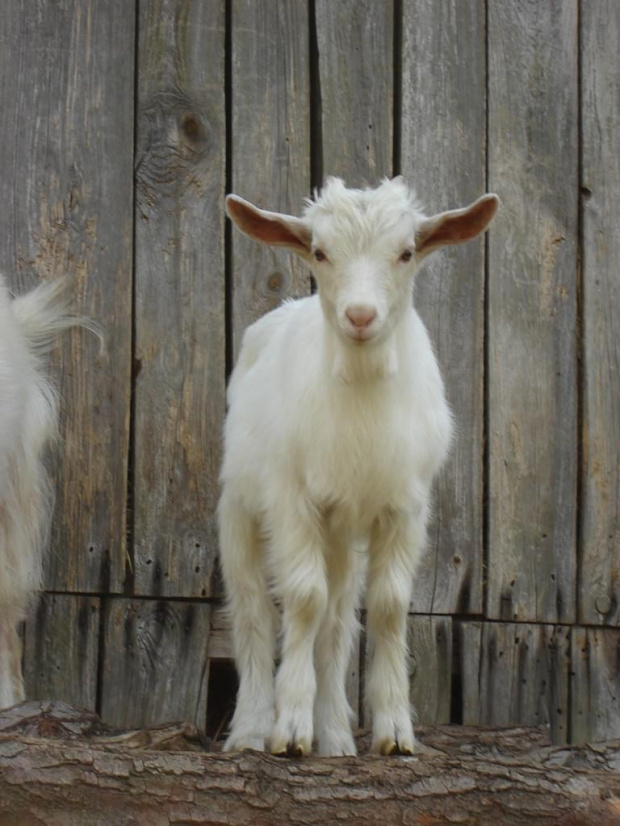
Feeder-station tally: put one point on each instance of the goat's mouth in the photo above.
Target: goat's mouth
(360, 336)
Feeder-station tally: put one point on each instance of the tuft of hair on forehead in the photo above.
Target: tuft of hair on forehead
(373, 210)
(391, 196)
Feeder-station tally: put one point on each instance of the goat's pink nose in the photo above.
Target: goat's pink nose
(361, 315)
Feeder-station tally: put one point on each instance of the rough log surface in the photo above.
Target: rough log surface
(59, 765)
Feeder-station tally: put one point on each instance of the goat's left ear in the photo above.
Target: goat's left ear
(456, 226)
(271, 228)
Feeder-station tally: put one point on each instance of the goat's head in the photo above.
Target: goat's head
(364, 247)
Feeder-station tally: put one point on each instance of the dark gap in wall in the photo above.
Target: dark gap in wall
(579, 355)
(316, 106)
(228, 261)
(363, 649)
(456, 692)
(398, 87)
(316, 111)
(486, 450)
(221, 693)
(129, 573)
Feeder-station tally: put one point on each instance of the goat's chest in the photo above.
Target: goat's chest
(371, 450)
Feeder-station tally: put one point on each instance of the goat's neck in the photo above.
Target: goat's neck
(353, 362)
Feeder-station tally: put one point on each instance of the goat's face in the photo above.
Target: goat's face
(363, 247)
(363, 256)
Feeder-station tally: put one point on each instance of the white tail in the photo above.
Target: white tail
(28, 421)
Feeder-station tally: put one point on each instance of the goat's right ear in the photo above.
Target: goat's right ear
(270, 228)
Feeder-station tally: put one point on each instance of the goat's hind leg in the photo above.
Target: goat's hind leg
(11, 681)
(253, 619)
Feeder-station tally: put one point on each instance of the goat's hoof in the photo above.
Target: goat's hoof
(389, 747)
(294, 749)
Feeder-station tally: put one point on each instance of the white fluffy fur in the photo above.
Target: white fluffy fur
(28, 421)
(332, 441)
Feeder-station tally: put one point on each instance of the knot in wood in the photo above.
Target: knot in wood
(174, 143)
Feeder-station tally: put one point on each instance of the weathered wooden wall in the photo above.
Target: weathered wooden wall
(123, 126)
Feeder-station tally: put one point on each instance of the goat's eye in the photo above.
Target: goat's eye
(320, 255)
(406, 256)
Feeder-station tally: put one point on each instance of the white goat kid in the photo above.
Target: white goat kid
(337, 425)
(28, 325)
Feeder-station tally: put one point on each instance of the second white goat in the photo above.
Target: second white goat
(337, 425)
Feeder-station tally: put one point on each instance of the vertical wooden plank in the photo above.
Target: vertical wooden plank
(270, 146)
(430, 668)
(355, 44)
(61, 649)
(515, 673)
(66, 151)
(180, 341)
(595, 685)
(532, 310)
(599, 586)
(155, 660)
(443, 158)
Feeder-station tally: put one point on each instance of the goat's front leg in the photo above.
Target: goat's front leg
(334, 646)
(396, 543)
(299, 570)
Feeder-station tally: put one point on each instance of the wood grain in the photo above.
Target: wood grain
(270, 147)
(154, 663)
(515, 672)
(61, 649)
(66, 153)
(356, 90)
(180, 290)
(443, 158)
(599, 584)
(595, 684)
(533, 163)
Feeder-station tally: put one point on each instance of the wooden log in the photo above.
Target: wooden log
(443, 158)
(180, 295)
(60, 767)
(532, 299)
(66, 154)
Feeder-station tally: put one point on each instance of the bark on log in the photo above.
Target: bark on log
(61, 767)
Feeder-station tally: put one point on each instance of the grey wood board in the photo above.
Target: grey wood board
(270, 147)
(180, 295)
(154, 662)
(595, 684)
(66, 153)
(429, 657)
(532, 322)
(61, 649)
(356, 89)
(599, 584)
(515, 673)
(443, 159)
